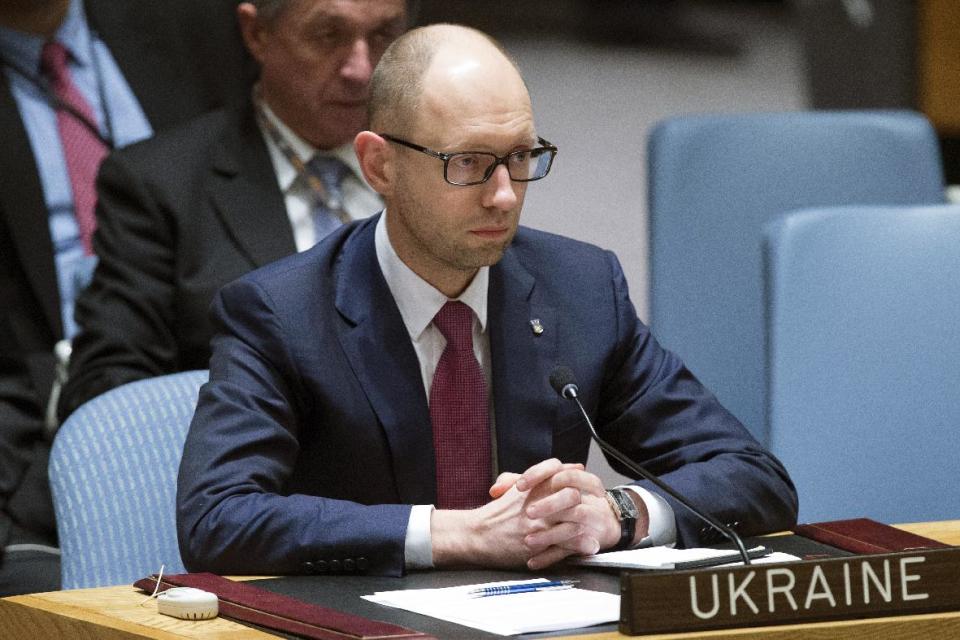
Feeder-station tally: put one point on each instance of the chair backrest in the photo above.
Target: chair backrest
(113, 474)
(714, 180)
(864, 371)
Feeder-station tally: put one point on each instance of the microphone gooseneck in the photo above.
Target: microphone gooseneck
(564, 383)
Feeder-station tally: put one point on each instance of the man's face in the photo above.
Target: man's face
(316, 58)
(446, 232)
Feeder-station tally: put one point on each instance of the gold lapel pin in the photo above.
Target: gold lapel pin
(536, 326)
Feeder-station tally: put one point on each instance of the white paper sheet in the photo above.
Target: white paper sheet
(658, 558)
(508, 614)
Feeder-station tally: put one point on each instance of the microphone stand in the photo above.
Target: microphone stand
(569, 391)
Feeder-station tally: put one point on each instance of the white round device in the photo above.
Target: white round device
(188, 603)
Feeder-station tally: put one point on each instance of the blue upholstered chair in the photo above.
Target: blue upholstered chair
(113, 473)
(864, 372)
(715, 179)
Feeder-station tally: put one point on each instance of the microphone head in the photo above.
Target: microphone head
(563, 382)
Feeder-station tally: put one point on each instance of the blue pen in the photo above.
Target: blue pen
(523, 587)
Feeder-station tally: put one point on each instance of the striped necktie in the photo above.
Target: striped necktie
(83, 150)
(329, 212)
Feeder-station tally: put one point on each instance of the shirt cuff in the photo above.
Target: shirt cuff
(662, 530)
(418, 546)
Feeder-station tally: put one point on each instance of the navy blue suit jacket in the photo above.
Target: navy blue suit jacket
(313, 438)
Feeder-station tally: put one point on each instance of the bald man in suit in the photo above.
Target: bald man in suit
(381, 402)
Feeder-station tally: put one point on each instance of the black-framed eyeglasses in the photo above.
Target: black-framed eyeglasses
(466, 168)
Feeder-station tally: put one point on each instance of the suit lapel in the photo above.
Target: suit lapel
(245, 193)
(382, 357)
(23, 206)
(524, 403)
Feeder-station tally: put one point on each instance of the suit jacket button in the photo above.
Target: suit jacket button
(309, 566)
(335, 566)
(321, 566)
(362, 563)
(349, 565)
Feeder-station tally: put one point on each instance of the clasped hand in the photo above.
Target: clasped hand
(549, 512)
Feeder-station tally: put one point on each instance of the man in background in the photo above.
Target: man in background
(77, 79)
(193, 209)
(381, 402)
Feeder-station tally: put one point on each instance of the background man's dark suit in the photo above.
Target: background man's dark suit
(180, 58)
(179, 216)
(313, 436)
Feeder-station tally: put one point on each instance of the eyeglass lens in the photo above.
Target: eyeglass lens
(472, 168)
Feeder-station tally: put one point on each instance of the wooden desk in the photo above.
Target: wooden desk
(115, 613)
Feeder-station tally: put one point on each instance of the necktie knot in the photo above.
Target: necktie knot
(53, 61)
(455, 322)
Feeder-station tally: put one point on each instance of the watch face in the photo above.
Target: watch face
(625, 504)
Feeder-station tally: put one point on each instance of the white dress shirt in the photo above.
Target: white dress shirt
(418, 302)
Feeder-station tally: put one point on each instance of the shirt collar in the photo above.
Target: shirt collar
(417, 299)
(75, 34)
(286, 173)
(23, 49)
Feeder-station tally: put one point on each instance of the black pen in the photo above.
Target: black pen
(523, 587)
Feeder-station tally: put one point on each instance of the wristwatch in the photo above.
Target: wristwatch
(626, 510)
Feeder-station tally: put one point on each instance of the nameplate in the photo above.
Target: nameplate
(851, 587)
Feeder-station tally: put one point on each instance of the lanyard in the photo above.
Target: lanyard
(43, 86)
(321, 194)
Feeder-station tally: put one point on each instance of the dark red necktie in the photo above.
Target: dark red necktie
(82, 149)
(460, 415)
